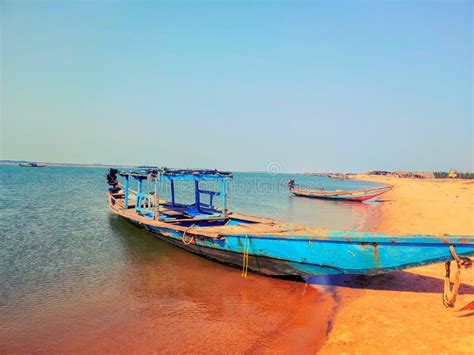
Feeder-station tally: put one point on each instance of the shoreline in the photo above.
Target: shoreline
(373, 222)
(402, 311)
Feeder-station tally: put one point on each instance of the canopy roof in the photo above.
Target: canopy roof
(188, 174)
(178, 174)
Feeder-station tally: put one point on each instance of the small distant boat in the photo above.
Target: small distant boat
(354, 195)
(337, 176)
(32, 165)
(264, 245)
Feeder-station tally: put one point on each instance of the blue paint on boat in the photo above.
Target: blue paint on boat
(334, 254)
(275, 247)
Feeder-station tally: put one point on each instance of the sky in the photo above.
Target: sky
(239, 85)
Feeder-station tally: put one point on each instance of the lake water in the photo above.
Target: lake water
(76, 279)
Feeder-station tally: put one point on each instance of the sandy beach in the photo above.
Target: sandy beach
(403, 311)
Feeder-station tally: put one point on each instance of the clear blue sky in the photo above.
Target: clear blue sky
(313, 86)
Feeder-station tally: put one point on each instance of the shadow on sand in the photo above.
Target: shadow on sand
(381, 200)
(395, 281)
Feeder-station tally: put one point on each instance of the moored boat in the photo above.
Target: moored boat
(32, 165)
(354, 195)
(265, 245)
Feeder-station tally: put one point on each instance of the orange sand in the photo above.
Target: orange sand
(403, 311)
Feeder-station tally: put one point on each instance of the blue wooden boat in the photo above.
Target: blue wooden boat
(263, 245)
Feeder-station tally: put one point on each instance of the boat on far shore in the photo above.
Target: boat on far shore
(337, 176)
(344, 195)
(32, 165)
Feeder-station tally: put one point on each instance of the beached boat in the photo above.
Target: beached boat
(337, 176)
(354, 195)
(265, 245)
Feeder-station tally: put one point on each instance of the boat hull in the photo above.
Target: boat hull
(340, 197)
(351, 253)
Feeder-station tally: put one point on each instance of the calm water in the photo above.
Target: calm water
(74, 278)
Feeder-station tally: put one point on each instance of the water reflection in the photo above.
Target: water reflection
(175, 292)
(329, 214)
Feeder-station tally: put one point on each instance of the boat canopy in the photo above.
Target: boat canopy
(194, 175)
(164, 174)
(171, 175)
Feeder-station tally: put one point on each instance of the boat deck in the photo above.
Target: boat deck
(238, 224)
(232, 223)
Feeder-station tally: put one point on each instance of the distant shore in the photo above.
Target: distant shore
(94, 165)
(402, 311)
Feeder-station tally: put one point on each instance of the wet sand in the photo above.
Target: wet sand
(403, 311)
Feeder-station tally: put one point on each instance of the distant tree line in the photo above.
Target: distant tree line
(445, 175)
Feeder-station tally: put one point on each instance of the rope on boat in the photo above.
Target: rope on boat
(183, 238)
(245, 256)
(450, 294)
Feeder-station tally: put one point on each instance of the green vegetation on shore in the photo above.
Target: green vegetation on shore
(459, 175)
